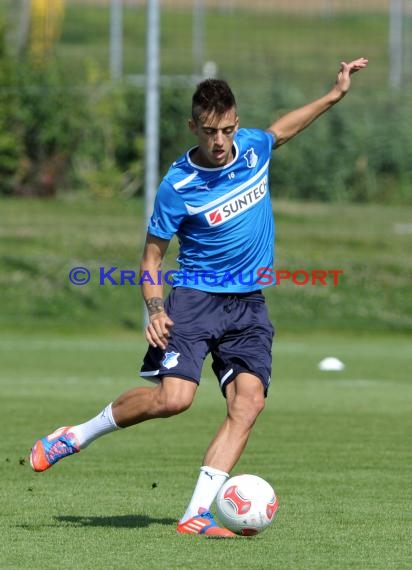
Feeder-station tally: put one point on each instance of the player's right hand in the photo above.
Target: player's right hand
(157, 331)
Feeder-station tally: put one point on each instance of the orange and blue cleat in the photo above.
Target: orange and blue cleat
(50, 449)
(204, 524)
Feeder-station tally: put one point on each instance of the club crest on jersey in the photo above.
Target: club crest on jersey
(238, 204)
(170, 359)
(251, 158)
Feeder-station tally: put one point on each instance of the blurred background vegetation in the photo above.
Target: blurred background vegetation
(67, 126)
(72, 131)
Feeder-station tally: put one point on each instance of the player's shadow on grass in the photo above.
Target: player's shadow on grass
(123, 521)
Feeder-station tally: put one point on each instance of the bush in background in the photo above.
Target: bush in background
(85, 134)
(109, 160)
(59, 132)
(51, 119)
(359, 151)
(10, 136)
(41, 122)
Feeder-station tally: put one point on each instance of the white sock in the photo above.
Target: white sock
(96, 427)
(207, 487)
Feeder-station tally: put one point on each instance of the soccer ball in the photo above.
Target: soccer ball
(246, 504)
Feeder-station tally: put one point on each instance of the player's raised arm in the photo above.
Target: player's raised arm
(157, 331)
(294, 122)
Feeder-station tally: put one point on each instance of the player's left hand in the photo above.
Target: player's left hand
(343, 80)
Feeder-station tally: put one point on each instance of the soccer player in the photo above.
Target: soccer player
(216, 199)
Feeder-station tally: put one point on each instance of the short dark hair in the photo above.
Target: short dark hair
(212, 95)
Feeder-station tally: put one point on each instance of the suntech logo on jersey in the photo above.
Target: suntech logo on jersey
(238, 204)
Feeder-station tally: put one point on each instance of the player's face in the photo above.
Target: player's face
(215, 135)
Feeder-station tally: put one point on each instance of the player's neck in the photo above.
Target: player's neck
(198, 158)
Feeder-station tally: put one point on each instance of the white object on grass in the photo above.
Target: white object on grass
(331, 364)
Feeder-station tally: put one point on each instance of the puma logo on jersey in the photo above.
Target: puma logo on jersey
(203, 186)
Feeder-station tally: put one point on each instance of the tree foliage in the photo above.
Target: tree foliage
(60, 133)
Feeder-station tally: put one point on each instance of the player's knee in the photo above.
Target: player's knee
(256, 405)
(245, 409)
(172, 405)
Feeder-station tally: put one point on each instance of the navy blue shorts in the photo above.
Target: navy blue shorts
(234, 328)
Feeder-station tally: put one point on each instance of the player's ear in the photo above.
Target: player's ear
(192, 125)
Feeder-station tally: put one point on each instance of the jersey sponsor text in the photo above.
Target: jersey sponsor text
(239, 204)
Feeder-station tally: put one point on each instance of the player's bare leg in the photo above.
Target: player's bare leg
(245, 400)
(172, 396)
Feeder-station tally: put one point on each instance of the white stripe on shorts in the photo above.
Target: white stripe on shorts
(151, 376)
(225, 377)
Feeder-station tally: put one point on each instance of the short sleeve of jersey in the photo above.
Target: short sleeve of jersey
(271, 139)
(168, 212)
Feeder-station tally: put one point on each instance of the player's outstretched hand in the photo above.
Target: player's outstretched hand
(343, 80)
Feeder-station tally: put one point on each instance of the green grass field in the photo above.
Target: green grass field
(42, 241)
(334, 445)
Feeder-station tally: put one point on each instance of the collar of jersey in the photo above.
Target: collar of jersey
(228, 165)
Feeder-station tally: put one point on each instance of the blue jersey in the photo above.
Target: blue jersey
(222, 217)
